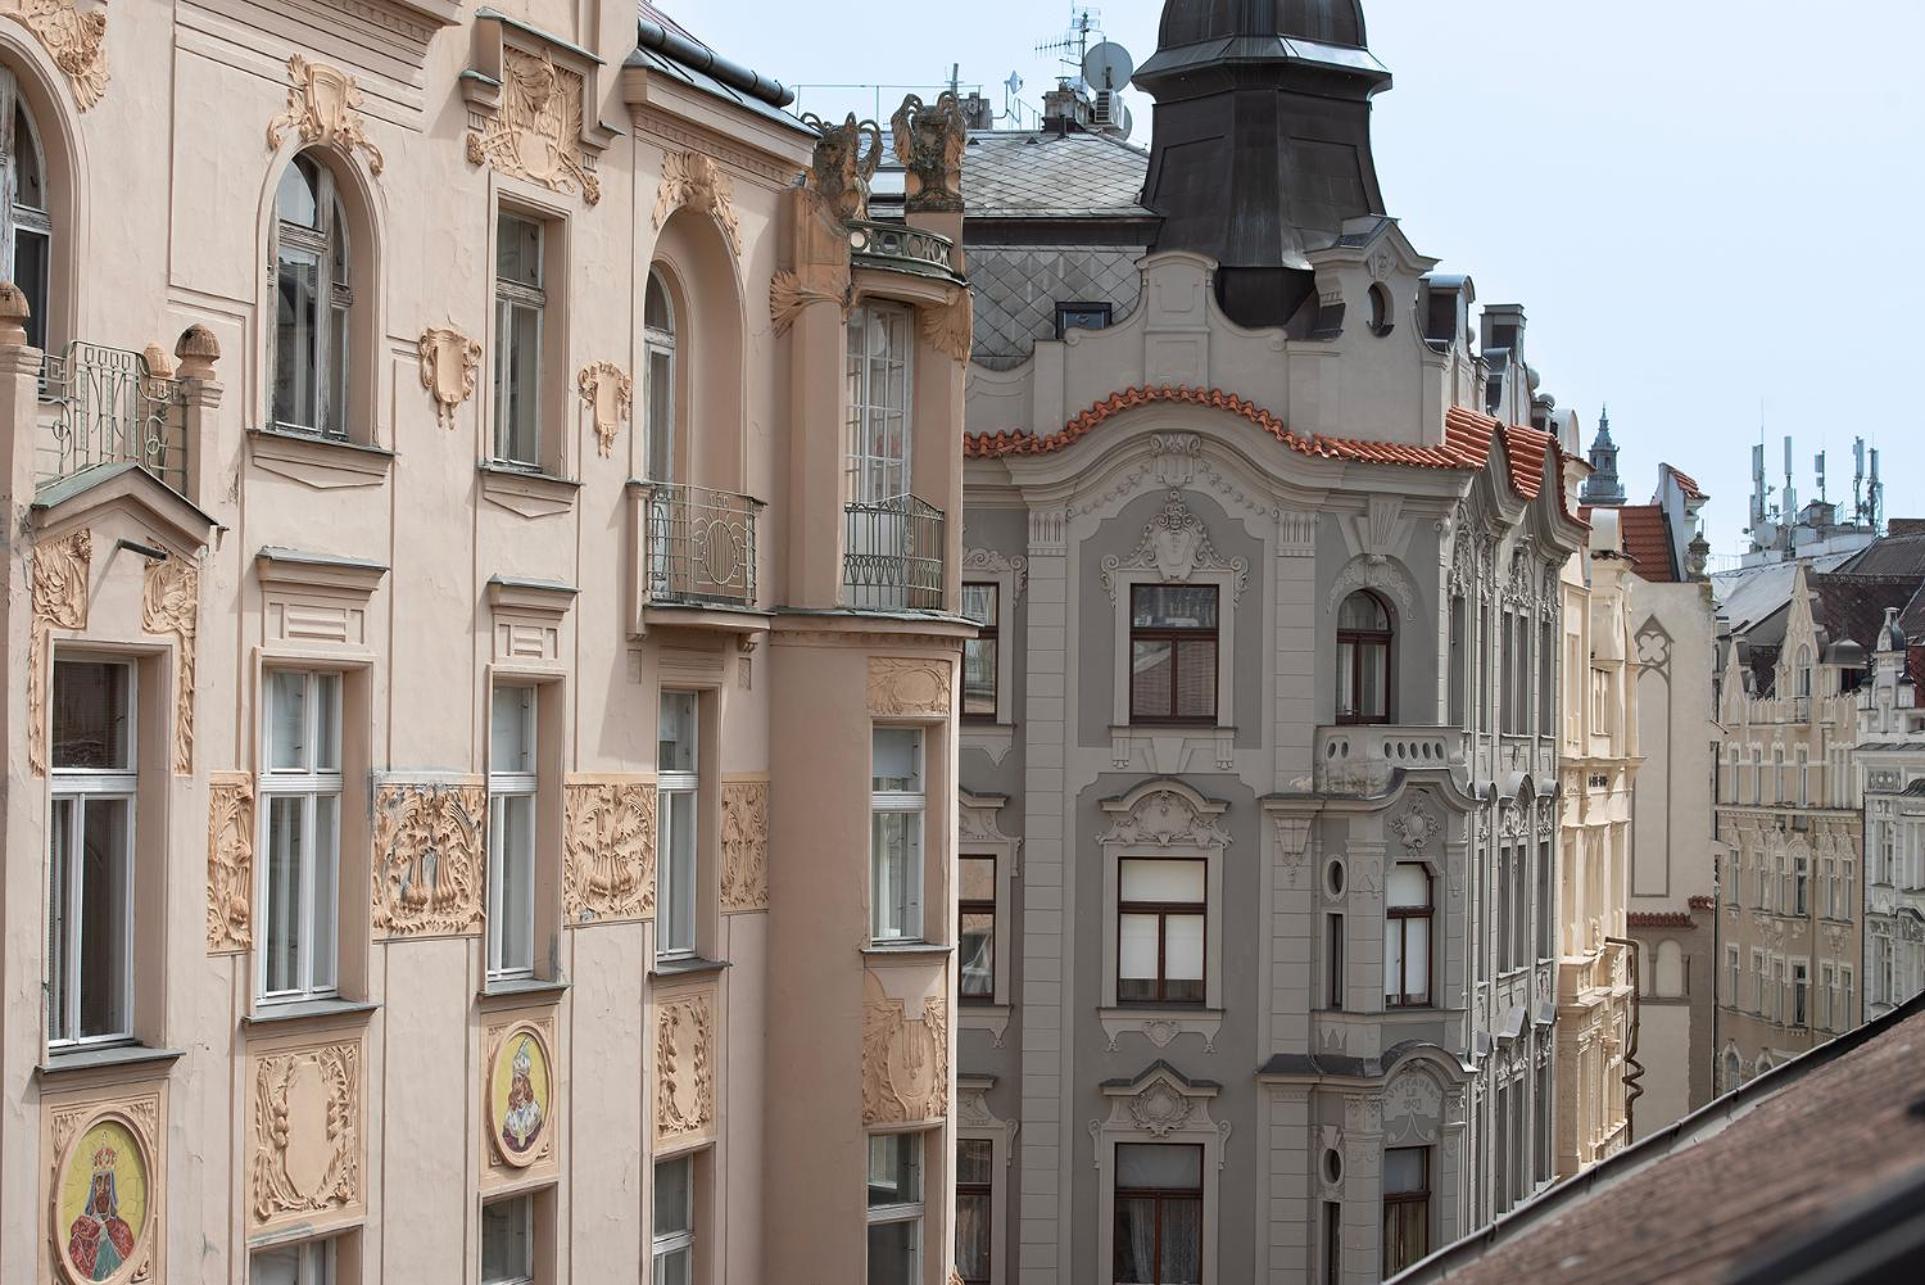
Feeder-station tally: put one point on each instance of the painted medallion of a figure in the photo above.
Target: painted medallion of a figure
(102, 1202)
(520, 1095)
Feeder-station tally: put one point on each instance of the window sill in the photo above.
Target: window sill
(1160, 1024)
(987, 735)
(687, 966)
(317, 1010)
(109, 1057)
(980, 1015)
(324, 463)
(534, 989)
(911, 949)
(528, 492)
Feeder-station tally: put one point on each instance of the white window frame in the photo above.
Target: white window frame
(317, 1262)
(527, 1203)
(871, 477)
(683, 884)
(915, 804)
(334, 303)
(505, 784)
(659, 439)
(682, 1240)
(907, 1211)
(511, 299)
(77, 788)
(310, 784)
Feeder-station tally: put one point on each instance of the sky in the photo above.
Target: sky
(1678, 191)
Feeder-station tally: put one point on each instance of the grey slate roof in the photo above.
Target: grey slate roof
(1027, 174)
(1017, 288)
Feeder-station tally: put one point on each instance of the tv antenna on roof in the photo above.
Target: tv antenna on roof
(1082, 21)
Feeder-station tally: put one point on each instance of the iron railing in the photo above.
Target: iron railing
(700, 545)
(898, 246)
(893, 555)
(108, 407)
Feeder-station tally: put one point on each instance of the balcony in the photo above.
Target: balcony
(106, 406)
(898, 248)
(1361, 759)
(892, 556)
(697, 546)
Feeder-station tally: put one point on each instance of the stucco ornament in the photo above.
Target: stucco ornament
(792, 291)
(324, 107)
(537, 133)
(1379, 572)
(685, 1067)
(59, 586)
(1293, 847)
(305, 1135)
(609, 393)
(1160, 1110)
(1413, 1104)
(909, 688)
(699, 182)
(75, 36)
(1654, 645)
(949, 327)
(230, 862)
(745, 845)
(1417, 827)
(429, 853)
(840, 171)
(608, 848)
(1176, 545)
(1165, 818)
(449, 360)
(170, 603)
(995, 562)
(929, 141)
(905, 1061)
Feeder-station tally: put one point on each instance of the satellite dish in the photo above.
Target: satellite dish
(1107, 66)
(1127, 124)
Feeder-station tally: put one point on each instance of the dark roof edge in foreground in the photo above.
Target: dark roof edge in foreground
(693, 53)
(1462, 1253)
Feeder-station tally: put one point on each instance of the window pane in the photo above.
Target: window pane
(978, 879)
(674, 1267)
(60, 925)
(896, 759)
(979, 677)
(1409, 886)
(1374, 680)
(658, 401)
(1152, 677)
(1417, 959)
(1134, 1252)
(276, 1267)
(656, 312)
(1183, 948)
(285, 853)
(674, 1196)
(1163, 881)
(518, 383)
(896, 867)
(518, 251)
(675, 735)
(106, 918)
(892, 1253)
(974, 1161)
(1196, 678)
(32, 256)
(295, 200)
(507, 1241)
(973, 1235)
(1173, 606)
(1136, 946)
(979, 603)
(1404, 1169)
(1394, 959)
(677, 912)
(977, 949)
(91, 706)
(1182, 1242)
(895, 1169)
(1364, 612)
(297, 329)
(287, 721)
(514, 902)
(327, 893)
(327, 716)
(511, 746)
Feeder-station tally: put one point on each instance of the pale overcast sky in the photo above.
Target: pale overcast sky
(1682, 193)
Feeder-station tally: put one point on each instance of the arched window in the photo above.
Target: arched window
(26, 228)
(1734, 1070)
(313, 300)
(1363, 659)
(658, 380)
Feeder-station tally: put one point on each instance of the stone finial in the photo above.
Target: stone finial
(14, 313)
(1698, 556)
(198, 350)
(929, 141)
(842, 166)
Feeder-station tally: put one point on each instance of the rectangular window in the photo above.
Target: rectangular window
(979, 653)
(895, 1209)
(1546, 911)
(1506, 909)
(1846, 1015)
(1161, 916)
(520, 299)
(1546, 681)
(678, 780)
(896, 805)
(301, 816)
(1406, 1207)
(1407, 914)
(512, 767)
(975, 1209)
(1173, 653)
(1801, 885)
(1543, 1124)
(1800, 986)
(1731, 976)
(879, 373)
(976, 928)
(1158, 1238)
(1333, 967)
(309, 1263)
(90, 925)
(1777, 995)
(1459, 658)
(674, 1230)
(1332, 1243)
(508, 1241)
(1081, 316)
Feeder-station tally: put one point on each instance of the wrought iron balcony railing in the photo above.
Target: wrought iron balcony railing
(902, 248)
(892, 556)
(106, 406)
(699, 545)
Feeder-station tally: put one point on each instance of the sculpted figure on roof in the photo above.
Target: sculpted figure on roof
(929, 141)
(842, 167)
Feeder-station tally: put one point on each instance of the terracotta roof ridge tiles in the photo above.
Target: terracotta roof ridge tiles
(1688, 483)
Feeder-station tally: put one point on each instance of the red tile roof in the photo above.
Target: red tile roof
(1659, 919)
(1468, 437)
(1647, 538)
(1702, 901)
(1687, 483)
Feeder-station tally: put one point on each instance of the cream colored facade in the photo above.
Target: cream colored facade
(441, 822)
(1597, 1014)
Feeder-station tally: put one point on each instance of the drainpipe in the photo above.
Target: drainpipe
(1633, 1069)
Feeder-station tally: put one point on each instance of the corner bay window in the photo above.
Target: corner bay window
(90, 928)
(1173, 653)
(1407, 913)
(511, 833)
(975, 1209)
(520, 300)
(979, 653)
(1406, 1207)
(312, 302)
(895, 1209)
(1159, 1214)
(1161, 909)
(508, 1241)
(301, 814)
(674, 1230)
(1363, 659)
(976, 936)
(895, 844)
(679, 782)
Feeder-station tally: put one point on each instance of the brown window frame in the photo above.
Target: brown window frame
(1397, 1200)
(1402, 915)
(979, 907)
(1175, 636)
(1163, 910)
(987, 1190)
(1358, 638)
(990, 633)
(1159, 1195)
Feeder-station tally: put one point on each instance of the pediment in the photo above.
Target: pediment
(125, 488)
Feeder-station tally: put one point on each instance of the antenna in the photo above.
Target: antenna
(1818, 467)
(1791, 491)
(1758, 489)
(1858, 479)
(1877, 505)
(1082, 21)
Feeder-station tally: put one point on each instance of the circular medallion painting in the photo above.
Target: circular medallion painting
(521, 1095)
(101, 1203)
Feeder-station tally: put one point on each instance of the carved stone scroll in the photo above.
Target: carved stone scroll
(230, 862)
(905, 1061)
(908, 688)
(323, 107)
(430, 851)
(75, 38)
(59, 587)
(697, 181)
(305, 1135)
(745, 845)
(537, 132)
(685, 1067)
(448, 360)
(791, 292)
(170, 603)
(609, 393)
(929, 141)
(608, 846)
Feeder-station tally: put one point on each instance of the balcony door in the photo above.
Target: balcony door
(877, 486)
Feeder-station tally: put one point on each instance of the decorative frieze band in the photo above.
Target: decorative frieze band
(745, 845)
(430, 853)
(608, 847)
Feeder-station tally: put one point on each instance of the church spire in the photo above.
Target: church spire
(1603, 486)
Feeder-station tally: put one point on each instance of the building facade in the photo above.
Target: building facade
(1891, 763)
(482, 698)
